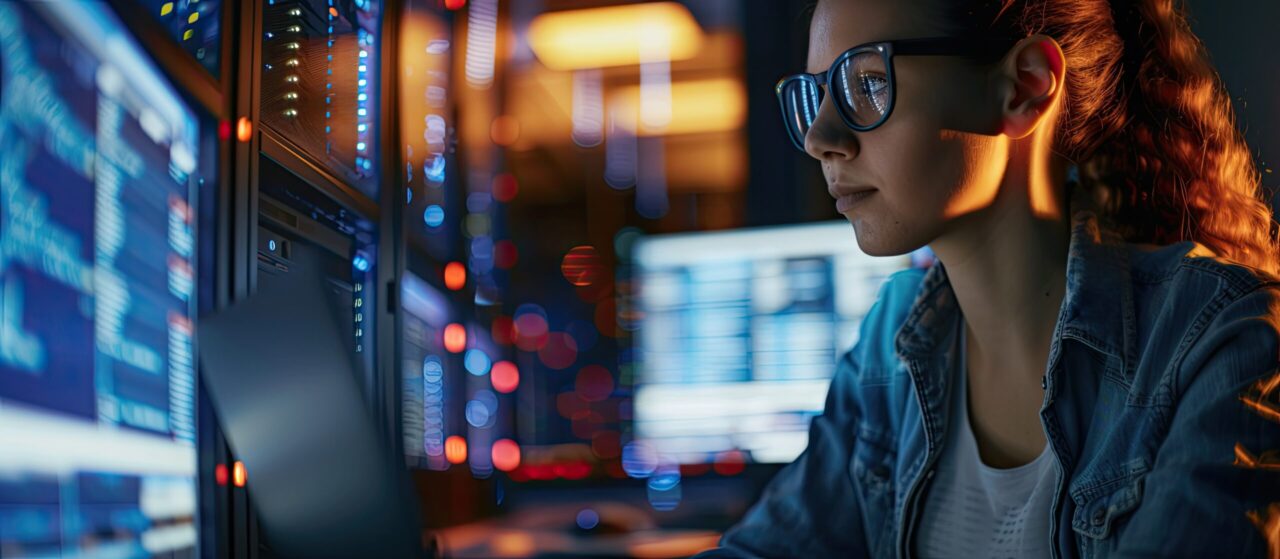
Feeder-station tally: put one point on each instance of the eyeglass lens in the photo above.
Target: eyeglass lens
(861, 87)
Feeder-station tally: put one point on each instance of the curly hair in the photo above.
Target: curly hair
(1146, 121)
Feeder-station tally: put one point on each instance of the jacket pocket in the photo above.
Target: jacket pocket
(871, 469)
(1099, 510)
(872, 462)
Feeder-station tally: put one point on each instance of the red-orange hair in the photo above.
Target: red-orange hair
(1147, 121)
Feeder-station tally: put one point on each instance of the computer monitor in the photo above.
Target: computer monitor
(740, 333)
(194, 24)
(102, 171)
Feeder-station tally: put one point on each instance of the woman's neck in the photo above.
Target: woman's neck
(1007, 266)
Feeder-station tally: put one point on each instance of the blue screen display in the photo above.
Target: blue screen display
(194, 24)
(100, 177)
(740, 334)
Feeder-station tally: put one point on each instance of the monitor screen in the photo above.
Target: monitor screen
(739, 336)
(194, 24)
(100, 283)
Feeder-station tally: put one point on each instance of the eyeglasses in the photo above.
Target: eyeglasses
(863, 80)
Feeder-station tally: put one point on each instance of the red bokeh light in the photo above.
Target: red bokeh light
(594, 383)
(220, 474)
(689, 470)
(606, 445)
(573, 470)
(506, 455)
(585, 424)
(730, 462)
(505, 187)
(607, 317)
(559, 352)
(455, 449)
(455, 4)
(570, 404)
(505, 377)
(503, 330)
(455, 338)
(455, 276)
(581, 266)
(505, 254)
(531, 331)
(224, 130)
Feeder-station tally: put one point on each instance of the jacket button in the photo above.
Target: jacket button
(1099, 517)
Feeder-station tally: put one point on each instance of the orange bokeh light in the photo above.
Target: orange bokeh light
(455, 449)
(455, 276)
(455, 338)
(244, 129)
(239, 476)
(506, 455)
(505, 377)
(505, 130)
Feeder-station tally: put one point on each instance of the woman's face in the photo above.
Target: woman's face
(936, 158)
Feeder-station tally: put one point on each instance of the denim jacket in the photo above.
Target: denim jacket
(1161, 407)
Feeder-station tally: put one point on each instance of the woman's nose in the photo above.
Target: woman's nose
(829, 139)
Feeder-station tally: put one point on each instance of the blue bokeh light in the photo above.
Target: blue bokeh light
(588, 519)
(477, 362)
(433, 216)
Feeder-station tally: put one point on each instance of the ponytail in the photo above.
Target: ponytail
(1148, 123)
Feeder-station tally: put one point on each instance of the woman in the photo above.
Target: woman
(1093, 366)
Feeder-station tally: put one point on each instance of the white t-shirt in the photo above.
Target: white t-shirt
(974, 510)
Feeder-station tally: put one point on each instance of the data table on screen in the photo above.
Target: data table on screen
(101, 168)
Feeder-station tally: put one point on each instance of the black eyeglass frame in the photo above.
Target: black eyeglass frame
(935, 46)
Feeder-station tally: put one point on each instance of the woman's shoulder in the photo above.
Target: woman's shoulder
(1184, 293)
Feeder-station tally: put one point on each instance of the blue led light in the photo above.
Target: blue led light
(588, 519)
(360, 262)
(433, 216)
(665, 477)
(477, 362)
(434, 170)
(408, 196)
(271, 245)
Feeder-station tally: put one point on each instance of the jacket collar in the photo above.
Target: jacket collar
(1097, 309)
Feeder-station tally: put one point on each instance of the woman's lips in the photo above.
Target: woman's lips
(847, 202)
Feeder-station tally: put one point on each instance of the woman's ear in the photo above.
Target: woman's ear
(1031, 81)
